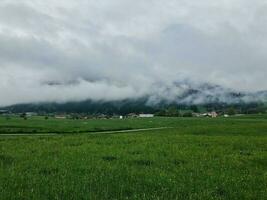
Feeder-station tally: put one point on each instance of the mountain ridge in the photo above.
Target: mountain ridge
(204, 95)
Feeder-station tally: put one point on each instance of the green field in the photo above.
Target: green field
(223, 158)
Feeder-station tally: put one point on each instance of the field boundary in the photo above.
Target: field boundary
(132, 130)
(89, 133)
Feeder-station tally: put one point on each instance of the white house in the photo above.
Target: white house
(213, 114)
(210, 114)
(146, 115)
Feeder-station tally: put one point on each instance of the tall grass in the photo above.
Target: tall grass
(197, 159)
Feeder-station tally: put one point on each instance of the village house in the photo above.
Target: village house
(132, 115)
(146, 115)
(210, 114)
(214, 114)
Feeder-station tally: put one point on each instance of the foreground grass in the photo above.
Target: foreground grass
(197, 159)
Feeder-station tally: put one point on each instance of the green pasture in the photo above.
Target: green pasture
(223, 158)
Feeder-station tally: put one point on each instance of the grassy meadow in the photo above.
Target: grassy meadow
(198, 158)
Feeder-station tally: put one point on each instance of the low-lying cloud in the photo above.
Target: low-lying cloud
(112, 50)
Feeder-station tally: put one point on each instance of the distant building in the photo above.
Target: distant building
(60, 117)
(30, 114)
(146, 115)
(132, 115)
(210, 114)
(102, 116)
(197, 114)
(214, 114)
(204, 115)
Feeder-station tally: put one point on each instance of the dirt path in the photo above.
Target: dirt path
(89, 133)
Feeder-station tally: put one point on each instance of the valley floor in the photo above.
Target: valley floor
(195, 159)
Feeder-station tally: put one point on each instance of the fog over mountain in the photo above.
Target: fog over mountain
(176, 50)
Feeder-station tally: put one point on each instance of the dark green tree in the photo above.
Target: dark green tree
(231, 111)
(194, 108)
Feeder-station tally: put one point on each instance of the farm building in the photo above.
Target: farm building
(132, 115)
(210, 114)
(30, 114)
(213, 114)
(146, 115)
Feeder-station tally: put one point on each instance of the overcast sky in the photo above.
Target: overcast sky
(68, 50)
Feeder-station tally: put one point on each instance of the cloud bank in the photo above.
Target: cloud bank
(116, 49)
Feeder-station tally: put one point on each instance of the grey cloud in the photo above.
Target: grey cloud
(111, 50)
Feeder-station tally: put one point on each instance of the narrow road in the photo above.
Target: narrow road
(133, 130)
(89, 133)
